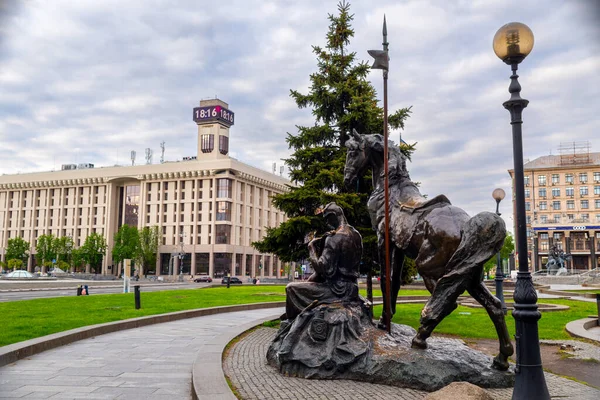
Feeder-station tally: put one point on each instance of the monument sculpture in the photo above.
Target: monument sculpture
(327, 331)
(556, 261)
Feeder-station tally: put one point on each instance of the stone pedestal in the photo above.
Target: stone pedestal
(340, 341)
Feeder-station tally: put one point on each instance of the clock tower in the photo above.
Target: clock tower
(213, 120)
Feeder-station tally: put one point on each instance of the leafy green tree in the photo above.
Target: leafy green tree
(15, 263)
(45, 248)
(507, 248)
(64, 247)
(149, 239)
(127, 244)
(93, 250)
(341, 99)
(17, 249)
(77, 258)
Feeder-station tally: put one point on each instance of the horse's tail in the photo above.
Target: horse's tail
(482, 237)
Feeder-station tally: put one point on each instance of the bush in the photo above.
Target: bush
(15, 264)
(63, 265)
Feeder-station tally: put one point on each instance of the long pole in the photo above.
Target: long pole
(388, 311)
(530, 383)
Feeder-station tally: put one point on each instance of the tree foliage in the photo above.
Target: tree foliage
(17, 249)
(341, 99)
(15, 263)
(149, 240)
(93, 250)
(126, 244)
(45, 249)
(64, 247)
(507, 248)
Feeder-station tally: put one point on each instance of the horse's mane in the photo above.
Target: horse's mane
(396, 160)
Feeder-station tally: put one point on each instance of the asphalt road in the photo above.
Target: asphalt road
(42, 293)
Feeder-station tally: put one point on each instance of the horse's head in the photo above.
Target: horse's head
(356, 159)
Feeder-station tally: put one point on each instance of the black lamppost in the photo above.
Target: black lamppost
(512, 43)
(498, 195)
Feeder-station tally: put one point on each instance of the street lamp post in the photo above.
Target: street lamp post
(512, 43)
(498, 195)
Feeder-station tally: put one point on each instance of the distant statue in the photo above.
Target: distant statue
(556, 261)
(335, 258)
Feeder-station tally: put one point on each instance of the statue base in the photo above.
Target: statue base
(340, 341)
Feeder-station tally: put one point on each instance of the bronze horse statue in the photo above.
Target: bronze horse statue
(448, 246)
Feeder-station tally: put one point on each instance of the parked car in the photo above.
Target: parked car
(203, 278)
(232, 281)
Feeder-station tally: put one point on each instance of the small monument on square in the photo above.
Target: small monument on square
(328, 332)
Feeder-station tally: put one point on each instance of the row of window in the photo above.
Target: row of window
(569, 191)
(557, 218)
(569, 178)
(557, 236)
(224, 190)
(556, 204)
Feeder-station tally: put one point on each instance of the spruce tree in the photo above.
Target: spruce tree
(341, 99)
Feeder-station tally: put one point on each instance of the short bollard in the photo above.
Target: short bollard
(79, 288)
(137, 296)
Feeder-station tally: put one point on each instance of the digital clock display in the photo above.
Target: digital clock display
(213, 113)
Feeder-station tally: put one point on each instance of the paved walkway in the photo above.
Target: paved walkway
(153, 362)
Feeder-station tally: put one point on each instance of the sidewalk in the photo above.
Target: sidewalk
(152, 362)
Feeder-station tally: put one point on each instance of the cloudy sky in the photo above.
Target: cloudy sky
(89, 80)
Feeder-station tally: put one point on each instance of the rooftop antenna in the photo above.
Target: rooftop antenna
(281, 167)
(274, 167)
(133, 153)
(149, 153)
(162, 154)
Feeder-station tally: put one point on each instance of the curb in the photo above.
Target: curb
(579, 328)
(18, 351)
(209, 364)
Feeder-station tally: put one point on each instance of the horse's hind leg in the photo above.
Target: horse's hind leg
(494, 309)
(441, 303)
(397, 262)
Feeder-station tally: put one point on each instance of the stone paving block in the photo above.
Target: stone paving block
(40, 395)
(121, 391)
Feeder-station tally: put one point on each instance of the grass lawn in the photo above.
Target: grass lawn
(475, 323)
(28, 319)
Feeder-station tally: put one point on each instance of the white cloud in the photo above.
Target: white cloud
(88, 81)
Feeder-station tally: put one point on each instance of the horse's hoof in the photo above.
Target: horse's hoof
(418, 343)
(500, 363)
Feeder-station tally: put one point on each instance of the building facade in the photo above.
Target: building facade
(562, 205)
(209, 208)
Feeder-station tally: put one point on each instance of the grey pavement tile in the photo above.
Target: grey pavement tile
(7, 387)
(88, 372)
(14, 394)
(58, 388)
(156, 375)
(119, 391)
(39, 395)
